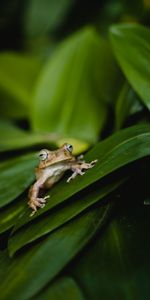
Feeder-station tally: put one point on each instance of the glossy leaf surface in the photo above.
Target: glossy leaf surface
(55, 219)
(116, 151)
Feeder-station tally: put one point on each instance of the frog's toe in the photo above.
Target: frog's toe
(42, 200)
(46, 197)
(37, 203)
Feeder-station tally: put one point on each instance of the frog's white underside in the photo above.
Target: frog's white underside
(54, 173)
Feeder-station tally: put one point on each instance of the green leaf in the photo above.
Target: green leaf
(131, 47)
(18, 74)
(10, 213)
(51, 221)
(47, 258)
(119, 11)
(117, 265)
(121, 148)
(15, 176)
(75, 83)
(127, 104)
(64, 286)
(50, 13)
(13, 138)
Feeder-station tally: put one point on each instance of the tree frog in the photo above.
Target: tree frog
(52, 166)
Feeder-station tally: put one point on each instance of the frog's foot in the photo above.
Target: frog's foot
(77, 169)
(35, 203)
(90, 165)
(75, 173)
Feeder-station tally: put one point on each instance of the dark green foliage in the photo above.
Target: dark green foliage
(91, 89)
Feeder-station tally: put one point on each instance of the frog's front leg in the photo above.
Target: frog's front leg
(34, 200)
(78, 166)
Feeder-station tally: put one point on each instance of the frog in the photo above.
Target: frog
(52, 166)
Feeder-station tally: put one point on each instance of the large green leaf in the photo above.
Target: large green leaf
(50, 13)
(132, 50)
(49, 222)
(117, 266)
(75, 83)
(62, 287)
(15, 176)
(28, 272)
(18, 74)
(120, 149)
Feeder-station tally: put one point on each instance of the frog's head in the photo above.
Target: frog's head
(47, 157)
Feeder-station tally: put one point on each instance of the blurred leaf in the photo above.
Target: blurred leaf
(15, 176)
(120, 149)
(10, 107)
(117, 265)
(13, 138)
(147, 201)
(62, 287)
(40, 17)
(18, 74)
(115, 11)
(78, 145)
(72, 91)
(51, 221)
(127, 104)
(47, 258)
(131, 47)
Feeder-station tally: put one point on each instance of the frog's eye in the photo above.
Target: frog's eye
(43, 155)
(69, 147)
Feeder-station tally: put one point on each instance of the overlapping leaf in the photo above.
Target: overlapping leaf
(63, 286)
(118, 150)
(117, 260)
(40, 260)
(131, 47)
(51, 221)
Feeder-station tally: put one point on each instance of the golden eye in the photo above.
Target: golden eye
(69, 147)
(43, 155)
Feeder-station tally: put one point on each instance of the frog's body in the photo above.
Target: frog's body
(52, 167)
